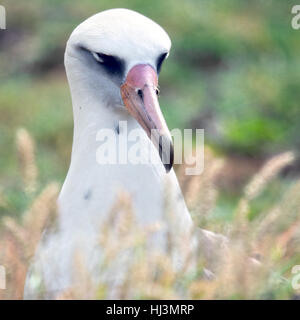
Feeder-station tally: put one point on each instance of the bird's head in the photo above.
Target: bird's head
(118, 53)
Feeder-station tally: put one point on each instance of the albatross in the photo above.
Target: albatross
(112, 61)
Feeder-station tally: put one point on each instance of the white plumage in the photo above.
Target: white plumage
(90, 189)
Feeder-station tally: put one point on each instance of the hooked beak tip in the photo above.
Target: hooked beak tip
(166, 152)
(168, 167)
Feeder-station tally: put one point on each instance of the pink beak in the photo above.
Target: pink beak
(139, 94)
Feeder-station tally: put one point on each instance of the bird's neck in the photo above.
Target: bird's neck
(91, 114)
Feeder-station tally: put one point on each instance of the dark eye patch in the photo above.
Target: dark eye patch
(160, 60)
(112, 65)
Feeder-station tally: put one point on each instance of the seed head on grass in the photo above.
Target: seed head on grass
(26, 154)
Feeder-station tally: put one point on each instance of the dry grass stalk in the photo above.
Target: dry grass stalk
(26, 154)
(267, 173)
(19, 239)
(275, 236)
(283, 216)
(152, 276)
(149, 274)
(200, 191)
(260, 180)
(41, 214)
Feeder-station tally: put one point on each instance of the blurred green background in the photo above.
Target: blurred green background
(234, 70)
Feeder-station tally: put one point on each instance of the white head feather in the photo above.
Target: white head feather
(124, 33)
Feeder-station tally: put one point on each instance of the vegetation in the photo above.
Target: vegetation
(233, 70)
(255, 264)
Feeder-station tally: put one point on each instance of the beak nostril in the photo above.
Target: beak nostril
(140, 94)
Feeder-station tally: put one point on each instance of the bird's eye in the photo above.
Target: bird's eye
(97, 56)
(112, 65)
(160, 60)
